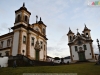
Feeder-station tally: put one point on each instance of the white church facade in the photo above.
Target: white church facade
(25, 39)
(80, 45)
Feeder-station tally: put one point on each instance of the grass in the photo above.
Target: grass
(80, 69)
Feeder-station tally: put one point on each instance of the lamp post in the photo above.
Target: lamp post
(99, 51)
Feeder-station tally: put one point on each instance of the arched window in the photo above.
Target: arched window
(43, 31)
(70, 38)
(87, 35)
(18, 18)
(26, 19)
(84, 46)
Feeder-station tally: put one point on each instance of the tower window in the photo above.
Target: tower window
(24, 39)
(87, 35)
(32, 43)
(43, 31)
(70, 38)
(18, 18)
(84, 46)
(76, 49)
(26, 19)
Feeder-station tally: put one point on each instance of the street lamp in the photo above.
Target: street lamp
(99, 51)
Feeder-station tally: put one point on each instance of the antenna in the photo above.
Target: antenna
(9, 29)
(36, 18)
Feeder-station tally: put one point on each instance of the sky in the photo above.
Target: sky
(58, 15)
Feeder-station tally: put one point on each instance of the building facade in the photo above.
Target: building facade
(80, 45)
(25, 39)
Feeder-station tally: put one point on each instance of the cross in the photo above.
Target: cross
(77, 30)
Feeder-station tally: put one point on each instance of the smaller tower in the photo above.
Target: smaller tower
(22, 16)
(86, 32)
(70, 35)
(43, 26)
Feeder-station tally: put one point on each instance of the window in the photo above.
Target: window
(7, 53)
(44, 47)
(76, 49)
(26, 18)
(84, 46)
(2, 44)
(8, 42)
(0, 54)
(18, 18)
(43, 31)
(87, 35)
(70, 38)
(32, 43)
(41, 44)
(24, 39)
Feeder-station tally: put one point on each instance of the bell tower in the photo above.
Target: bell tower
(22, 16)
(86, 32)
(70, 35)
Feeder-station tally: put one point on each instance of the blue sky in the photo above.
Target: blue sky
(58, 15)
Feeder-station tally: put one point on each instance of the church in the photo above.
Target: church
(26, 39)
(80, 45)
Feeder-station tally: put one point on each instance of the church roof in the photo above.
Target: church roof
(70, 32)
(40, 22)
(78, 33)
(23, 8)
(86, 29)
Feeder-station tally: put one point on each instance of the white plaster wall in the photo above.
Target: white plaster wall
(5, 42)
(4, 61)
(3, 52)
(23, 47)
(88, 51)
(66, 60)
(15, 43)
(32, 50)
(41, 51)
(74, 53)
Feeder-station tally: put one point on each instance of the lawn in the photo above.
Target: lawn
(80, 69)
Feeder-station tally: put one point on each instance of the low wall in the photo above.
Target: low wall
(4, 61)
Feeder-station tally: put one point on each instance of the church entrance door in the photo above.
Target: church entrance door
(37, 55)
(81, 56)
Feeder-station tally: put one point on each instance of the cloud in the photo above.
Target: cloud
(61, 48)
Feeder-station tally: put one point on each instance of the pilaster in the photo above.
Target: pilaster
(20, 42)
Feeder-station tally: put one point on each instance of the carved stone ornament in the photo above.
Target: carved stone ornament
(37, 46)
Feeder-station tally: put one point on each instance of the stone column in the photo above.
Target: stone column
(20, 42)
